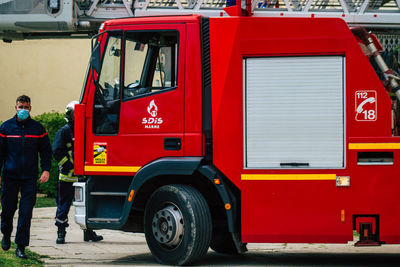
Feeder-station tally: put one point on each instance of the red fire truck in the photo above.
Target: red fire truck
(218, 132)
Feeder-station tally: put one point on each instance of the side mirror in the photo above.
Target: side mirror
(95, 58)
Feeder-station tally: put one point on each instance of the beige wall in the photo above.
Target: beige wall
(51, 72)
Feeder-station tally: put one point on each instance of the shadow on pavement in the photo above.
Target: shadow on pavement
(276, 259)
(301, 259)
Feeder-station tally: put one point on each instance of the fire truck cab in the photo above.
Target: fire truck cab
(217, 132)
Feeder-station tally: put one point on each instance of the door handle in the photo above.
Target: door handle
(172, 143)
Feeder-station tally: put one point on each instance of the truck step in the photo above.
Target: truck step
(103, 219)
(117, 194)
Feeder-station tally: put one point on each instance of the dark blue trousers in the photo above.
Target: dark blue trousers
(9, 200)
(65, 196)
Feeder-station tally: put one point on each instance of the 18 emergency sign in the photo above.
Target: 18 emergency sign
(366, 105)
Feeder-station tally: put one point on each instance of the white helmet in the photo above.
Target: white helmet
(69, 111)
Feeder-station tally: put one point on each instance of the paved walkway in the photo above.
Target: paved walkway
(117, 248)
(128, 249)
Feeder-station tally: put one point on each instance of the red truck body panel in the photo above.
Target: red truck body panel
(301, 210)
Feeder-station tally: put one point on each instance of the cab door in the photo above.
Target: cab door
(138, 108)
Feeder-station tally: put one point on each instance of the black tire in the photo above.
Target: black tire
(178, 224)
(222, 242)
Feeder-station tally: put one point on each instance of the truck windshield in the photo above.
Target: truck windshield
(150, 62)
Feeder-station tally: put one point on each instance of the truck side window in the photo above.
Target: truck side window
(150, 62)
(107, 96)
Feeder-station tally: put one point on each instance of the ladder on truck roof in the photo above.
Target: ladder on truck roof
(368, 13)
(21, 19)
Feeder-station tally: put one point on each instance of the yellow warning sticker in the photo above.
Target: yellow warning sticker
(100, 153)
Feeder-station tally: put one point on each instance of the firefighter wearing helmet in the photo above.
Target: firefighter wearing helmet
(63, 152)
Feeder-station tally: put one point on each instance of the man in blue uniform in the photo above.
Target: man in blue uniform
(21, 140)
(63, 151)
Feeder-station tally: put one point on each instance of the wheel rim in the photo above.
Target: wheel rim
(168, 226)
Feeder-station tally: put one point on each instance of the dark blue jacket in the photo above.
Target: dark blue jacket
(20, 144)
(63, 148)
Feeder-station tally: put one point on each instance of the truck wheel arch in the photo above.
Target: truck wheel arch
(161, 167)
(181, 167)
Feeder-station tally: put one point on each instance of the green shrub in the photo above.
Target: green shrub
(52, 121)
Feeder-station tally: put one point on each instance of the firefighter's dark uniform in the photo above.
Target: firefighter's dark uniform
(20, 144)
(63, 151)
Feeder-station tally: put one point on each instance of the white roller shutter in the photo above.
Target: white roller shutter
(294, 112)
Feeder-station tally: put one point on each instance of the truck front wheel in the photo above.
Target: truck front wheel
(178, 224)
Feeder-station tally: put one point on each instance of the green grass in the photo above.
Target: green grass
(44, 202)
(8, 258)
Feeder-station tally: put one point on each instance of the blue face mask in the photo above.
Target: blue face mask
(23, 114)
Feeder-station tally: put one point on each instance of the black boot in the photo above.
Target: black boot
(61, 236)
(90, 235)
(20, 252)
(6, 242)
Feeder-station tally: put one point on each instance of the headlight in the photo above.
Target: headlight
(78, 194)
